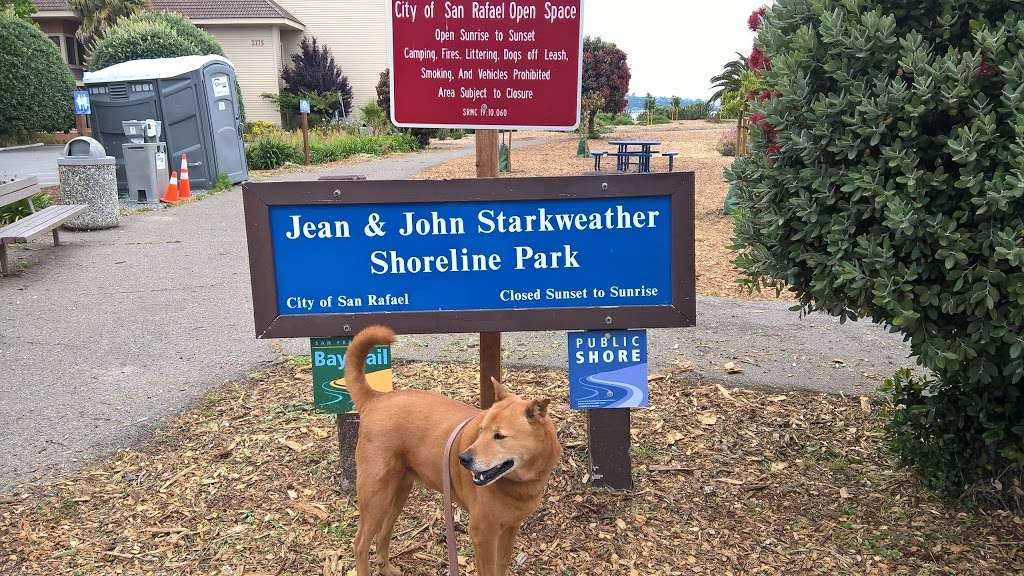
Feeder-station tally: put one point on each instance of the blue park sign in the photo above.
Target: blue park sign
(447, 256)
(303, 106)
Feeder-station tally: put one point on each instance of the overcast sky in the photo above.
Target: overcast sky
(673, 46)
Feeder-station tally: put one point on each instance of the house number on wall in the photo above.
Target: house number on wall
(257, 43)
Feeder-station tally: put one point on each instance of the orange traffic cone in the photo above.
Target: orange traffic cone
(184, 187)
(171, 196)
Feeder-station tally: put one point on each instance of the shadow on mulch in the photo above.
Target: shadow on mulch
(728, 482)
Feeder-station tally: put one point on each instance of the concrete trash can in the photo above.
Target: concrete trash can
(88, 176)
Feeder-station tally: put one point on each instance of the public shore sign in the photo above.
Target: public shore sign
(438, 256)
(473, 64)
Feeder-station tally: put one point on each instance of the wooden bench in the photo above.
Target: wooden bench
(34, 225)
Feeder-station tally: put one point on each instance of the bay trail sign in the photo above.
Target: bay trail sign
(580, 252)
(473, 64)
(327, 357)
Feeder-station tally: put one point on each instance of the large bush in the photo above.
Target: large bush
(35, 84)
(886, 181)
(151, 35)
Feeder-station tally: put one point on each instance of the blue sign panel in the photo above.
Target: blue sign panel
(481, 255)
(304, 106)
(608, 369)
(82, 104)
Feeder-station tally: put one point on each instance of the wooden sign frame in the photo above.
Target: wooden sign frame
(258, 197)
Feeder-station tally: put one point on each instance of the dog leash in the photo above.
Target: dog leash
(449, 511)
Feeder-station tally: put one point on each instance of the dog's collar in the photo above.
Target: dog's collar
(449, 515)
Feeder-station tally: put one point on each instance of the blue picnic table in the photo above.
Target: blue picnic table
(625, 155)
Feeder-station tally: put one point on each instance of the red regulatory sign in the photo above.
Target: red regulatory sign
(473, 64)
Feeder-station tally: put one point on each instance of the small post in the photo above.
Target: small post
(305, 137)
(348, 435)
(304, 113)
(490, 342)
(608, 436)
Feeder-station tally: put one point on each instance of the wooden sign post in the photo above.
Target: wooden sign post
(490, 342)
(304, 113)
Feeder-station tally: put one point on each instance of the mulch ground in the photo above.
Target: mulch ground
(728, 482)
(696, 141)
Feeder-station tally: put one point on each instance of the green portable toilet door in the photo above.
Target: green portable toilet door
(224, 123)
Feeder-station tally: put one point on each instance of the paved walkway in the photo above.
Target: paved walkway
(40, 162)
(103, 339)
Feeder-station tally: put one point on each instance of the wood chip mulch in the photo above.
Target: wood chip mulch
(728, 482)
(696, 142)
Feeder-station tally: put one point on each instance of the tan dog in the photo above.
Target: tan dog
(507, 454)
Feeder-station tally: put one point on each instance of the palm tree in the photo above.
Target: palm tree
(98, 15)
(650, 105)
(677, 105)
(731, 78)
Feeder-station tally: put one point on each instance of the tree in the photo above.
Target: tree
(23, 9)
(35, 84)
(605, 73)
(730, 79)
(313, 70)
(384, 93)
(99, 15)
(886, 181)
(650, 105)
(422, 135)
(677, 105)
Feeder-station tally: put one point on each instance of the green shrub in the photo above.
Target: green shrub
(617, 119)
(727, 144)
(20, 209)
(35, 84)
(270, 152)
(321, 107)
(222, 183)
(885, 180)
(151, 35)
(276, 148)
(259, 128)
(699, 110)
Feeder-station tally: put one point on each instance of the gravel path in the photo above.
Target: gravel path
(109, 335)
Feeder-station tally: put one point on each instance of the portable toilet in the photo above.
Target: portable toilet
(195, 99)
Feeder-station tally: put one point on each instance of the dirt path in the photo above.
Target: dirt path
(696, 141)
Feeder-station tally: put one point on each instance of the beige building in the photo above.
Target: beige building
(259, 37)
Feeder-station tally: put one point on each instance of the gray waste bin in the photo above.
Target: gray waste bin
(88, 176)
(145, 161)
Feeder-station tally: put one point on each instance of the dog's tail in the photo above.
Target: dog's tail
(355, 362)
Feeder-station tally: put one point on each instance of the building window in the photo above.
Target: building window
(72, 53)
(55, 39)
(80, 52)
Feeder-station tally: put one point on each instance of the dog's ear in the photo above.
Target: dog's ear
(500, 393)
(537, 409)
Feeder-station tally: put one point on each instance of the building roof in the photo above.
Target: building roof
(200, 9)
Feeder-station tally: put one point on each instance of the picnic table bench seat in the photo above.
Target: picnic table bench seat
(671, 155)
(34, 225)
